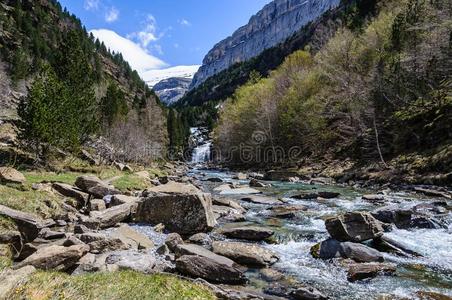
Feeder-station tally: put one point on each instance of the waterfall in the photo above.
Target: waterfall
(201, 150)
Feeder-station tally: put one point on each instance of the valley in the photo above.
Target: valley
(308, 157)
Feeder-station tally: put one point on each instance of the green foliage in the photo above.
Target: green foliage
(380, 91)
(114, 104)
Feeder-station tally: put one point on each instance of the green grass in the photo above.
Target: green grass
(28, 200)
(122, 285)
(38, 177)
(5, 257)
(130, 182)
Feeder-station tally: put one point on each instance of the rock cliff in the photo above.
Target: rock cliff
(276, 22)
(172, 89)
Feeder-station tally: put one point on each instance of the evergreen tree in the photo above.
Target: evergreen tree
(114, 104)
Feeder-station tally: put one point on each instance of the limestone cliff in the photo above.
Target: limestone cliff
(276, 22)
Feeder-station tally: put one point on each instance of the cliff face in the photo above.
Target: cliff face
(276, 22)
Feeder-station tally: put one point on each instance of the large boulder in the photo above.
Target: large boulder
(173, 240)
(29, 225)
(327, 249)
(12, 238)
(209, 269)
(55, 257)
(11, 175)
(95, 186)
(132, 260)
(201, 239)
(101, 243)
(251, 233)
(175, 188)
(324, 195)
(360, 253)
(307, 293)
(185, 214)
(399, 217)
(265, 200)
(354, 226)
(362, 271)
(246, 254)
(191, 249)
(110, 217)
(71, 192)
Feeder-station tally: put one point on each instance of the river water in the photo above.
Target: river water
(295, 237)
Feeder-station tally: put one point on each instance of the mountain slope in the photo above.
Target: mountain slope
(314, 35)
(273, 24)
(170, 90)
(33, 33)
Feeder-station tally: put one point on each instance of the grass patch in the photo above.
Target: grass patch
(118, 285)
(153, 172)
(38, 177)
(28, 200)
(130, 182)
(5, 257)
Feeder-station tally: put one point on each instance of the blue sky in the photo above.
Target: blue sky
(171, 32)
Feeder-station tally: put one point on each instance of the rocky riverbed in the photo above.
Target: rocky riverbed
(247, 238)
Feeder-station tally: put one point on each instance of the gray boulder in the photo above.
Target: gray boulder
(55, 257)
(360, 253)
(354, 226)
(11, 175)
(363, 271)
(251, 233)
(201, 239)
(110, 217)
(209, 269)
(246, 254)
(327, 249)
(185, 214)
(71, 192)
(190, 249)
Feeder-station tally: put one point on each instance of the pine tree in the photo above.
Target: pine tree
(114, 104)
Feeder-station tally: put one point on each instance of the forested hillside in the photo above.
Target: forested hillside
(376, 90)
(67, 86)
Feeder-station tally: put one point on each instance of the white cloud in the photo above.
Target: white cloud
(148, 34)
(91, 4)
(111, 15)
(138, 58)
(184, 22)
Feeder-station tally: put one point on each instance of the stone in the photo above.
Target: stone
(271, 275)
(89, 158)
(324, 195)
(327, 249)
(185, 214)
(246, 254)
(360, 253)
(175, 188)
(307, 293)
(29, 225)
(71, 192)
(214, 179)
(374, 198)
(251, 233)
(159, 228)
(110, 217)
(385, 243)
(173, 240)
(11, 175)
(191, 249)
(257, 183)
(97, 205)
(362, 271)
(172, 89)
(132, 237)
(286, 212)
(11, 279)
(57, 258)
(86, 182)
(354, 226)
(265, 200)
(240, 191)
(228, 202)
(208, 269)
(201, 239)
(48, 234)
(79, 228)
(71, 241)
(13, 238)
(101, 190)
(107, 244)
(163, 250)
(399, 217)
(240, 176)
(131, 260)
(122, 199)
(432, 192)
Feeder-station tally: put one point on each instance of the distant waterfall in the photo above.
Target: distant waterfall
(201, 150)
